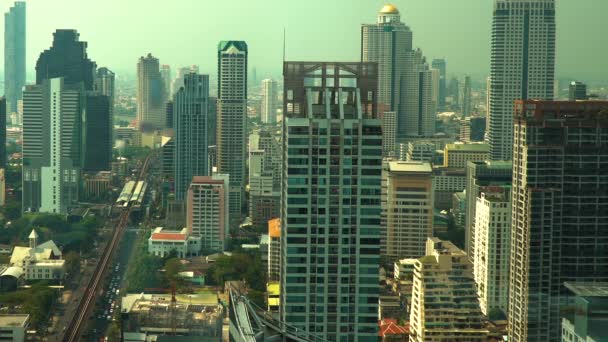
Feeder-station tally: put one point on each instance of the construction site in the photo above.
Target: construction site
(197, 314)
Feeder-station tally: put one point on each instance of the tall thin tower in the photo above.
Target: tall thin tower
(522, 64)
(232, 119)
(269, 101)
(14, 55)
(151, 108)
(190, 110)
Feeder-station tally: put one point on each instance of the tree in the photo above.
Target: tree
(172, 268)
(114, 333)
(72, 263)
(11, 210)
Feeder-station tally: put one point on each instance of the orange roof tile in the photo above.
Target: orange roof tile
(390, 327)
(169, 236)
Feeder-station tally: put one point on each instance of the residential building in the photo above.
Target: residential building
(408, 209)
(585, 319)
(441, 65)
(151, 98)
(491, 260)
(14, 55)
(577, 91)
(232, 119)
(479, 175)
(444, 299)
(459, 208)
(14, 327)
(446, 182)
(269, 101)
(422, 151)
(274, 249)
(163, 242)
(389, 134)
(190, 109)
(207, 211)
(456, 156)
(331, 200)
(559, 218)
(522, 64)
(52, 152)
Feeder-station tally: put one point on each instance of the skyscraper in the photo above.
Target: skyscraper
(151, 108)
(559, 221)
(14, 55)
(52, 145)
(405, 81)
(441, 65)
(232, 119)
(522, 64)
(190, 109)
(3, 132)
(408, 209)
(269, 101)
(330, 242)
(467, 104)
(165, 72)
(105, 85)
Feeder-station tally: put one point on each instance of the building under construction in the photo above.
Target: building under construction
(197, 314)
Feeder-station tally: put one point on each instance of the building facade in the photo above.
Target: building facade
(150, 95)
(190, 110)
(232, 119)
(207, 211)
(14, 55)
(407, 209)
(522, 64)
(274, 250)
(559, 221)
(330, 243)
(441, 66)
(269, 102)
(456, 156)
(444, 298)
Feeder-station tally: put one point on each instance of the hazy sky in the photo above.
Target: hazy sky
(184, 32)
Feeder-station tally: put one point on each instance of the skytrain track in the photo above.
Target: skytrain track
(87, 302)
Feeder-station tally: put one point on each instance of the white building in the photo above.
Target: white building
(13, 327)
(36, 262)
(208, 209)
(522, 67)
(389, 134)
(269, 101)
(162, 242)
(491, 263)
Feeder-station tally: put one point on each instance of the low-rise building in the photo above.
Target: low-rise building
(457, 155)
(36, 262)
(97, 185)
(162, 242)
(13, 327)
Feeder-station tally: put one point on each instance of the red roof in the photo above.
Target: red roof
(390, 327)
(169, 236)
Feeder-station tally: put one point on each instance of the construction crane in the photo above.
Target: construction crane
(172, 306)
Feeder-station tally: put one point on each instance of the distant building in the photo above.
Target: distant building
(467, 101)
(2, 187)
(408, 209)
(14, 327)
(389, 134)
(456, 156)
(446, 182)
(492, 241)
(444, 300)
(165, 73)
(459, 208)
(577, 91)
(559, 218)
(163, 242)
(472, 129)
(269, 101)
(274, 249)
(150, 95)
(97, 184)
(3, 132)
(232, 119)
(14, 55)
(441, 65)
(207, 211)
(422, 151)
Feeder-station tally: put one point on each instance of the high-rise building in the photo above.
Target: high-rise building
(467, 104)
(212, 122)
(269, 101)
(178, 81)
(491, 262)
(479, 175)
(522, 64)
(52, 147)
(3, 110)
(453, 92)
(332, 155)
(585, 320)
(577, 91)
(190, 109)
(407, 209)
(389, 134)
(444, 299)
(441, 65)
(232, 119)
(207, 211)
(165, 73)
(105, 84)
(472, 129)
(98, 133)
(405, 82)
(151, 108)
(14, 55)
(559, 222)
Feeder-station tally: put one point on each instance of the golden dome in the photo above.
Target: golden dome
(389, 9)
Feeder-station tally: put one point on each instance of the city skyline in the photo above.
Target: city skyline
(454, 43)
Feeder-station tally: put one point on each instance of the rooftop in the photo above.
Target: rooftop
(389, 9)
(161, 234)
(13, 320)
(410, 166)
(468, 147)
(588, 289)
